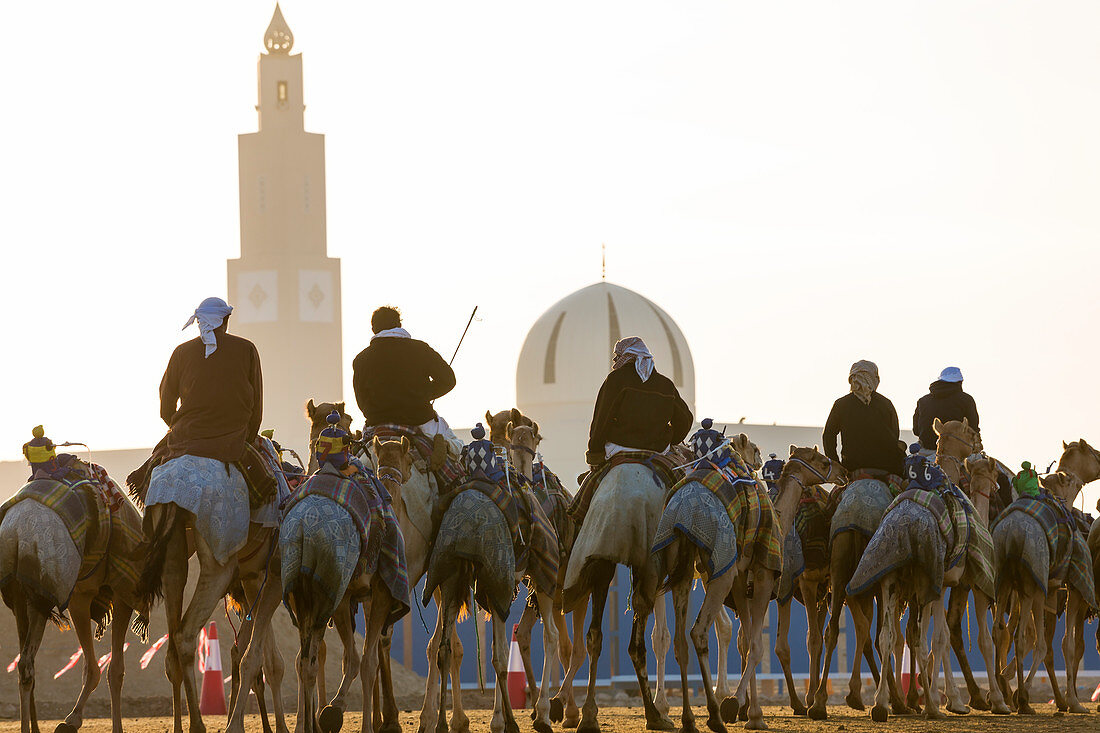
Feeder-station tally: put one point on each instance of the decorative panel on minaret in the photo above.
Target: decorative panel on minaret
(285, 289)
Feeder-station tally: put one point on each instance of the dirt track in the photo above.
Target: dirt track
(624, 720)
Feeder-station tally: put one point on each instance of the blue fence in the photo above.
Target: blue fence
(411, 635)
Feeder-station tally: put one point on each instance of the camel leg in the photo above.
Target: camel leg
(861, 626)
(116, 668)
(79, 610)
(274, 669)
(956, 611)
(459, 722)
(500, 666)
(929, 660)
(846, 551)
(549, 642)
(815, 622)
(175, 578)
(717, 590)
(662, 640)
(213, 583)
(570, 713)
(758, 608)
(916, 629)
(723, 632)
(1051, 620)
(30, 625)
(887, 631)
(434, 719)
(1002, 639)
(1070, 643)
(376, 611)
(566, 710)
(954, 701)
(1029, 605)
(526, 624)
(982, 604)
(322, 662)
(428, 714)
(331, 718)
(391, 722)
(681, 590)
(783, 653)
(600, 582)
(642, 599)
(252, 660)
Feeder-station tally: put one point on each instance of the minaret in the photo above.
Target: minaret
(285, 289)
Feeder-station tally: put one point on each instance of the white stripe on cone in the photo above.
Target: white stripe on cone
(1095, 695)
(517, 678)
(212, 697)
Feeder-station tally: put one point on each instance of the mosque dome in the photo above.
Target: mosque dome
(567, 353)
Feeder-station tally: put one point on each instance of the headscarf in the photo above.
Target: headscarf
(863, 376)
(210, 314)
(633, 349)
(396, 333)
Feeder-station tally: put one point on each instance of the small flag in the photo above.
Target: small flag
(201, 651)
(1095, 695)
(72, 663)
(14, 662)
(152, 651)
(106, 658)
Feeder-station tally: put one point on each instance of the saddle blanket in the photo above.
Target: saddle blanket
(554, 500)
(963, 531)
(859, 507)
(811, 524)
(381, 545)
(448, 473)
(1070, 559)
(663, 466)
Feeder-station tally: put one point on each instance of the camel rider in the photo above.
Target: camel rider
(867, 424)
(396, 379)
(637, 409)
(947, 401)
(41, 454)
(770, 471)
(211, 395)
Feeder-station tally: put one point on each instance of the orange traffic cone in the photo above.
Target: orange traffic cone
(517, 678)
(212, 698)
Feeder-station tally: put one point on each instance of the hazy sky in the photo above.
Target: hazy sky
(799, 185)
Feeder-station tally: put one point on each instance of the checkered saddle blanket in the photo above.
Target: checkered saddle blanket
(555, 500)
(99, 518)
(811, 523)
(664, 467)
(448, 473)
(1070, 559)
(381, 545)
(963, 532)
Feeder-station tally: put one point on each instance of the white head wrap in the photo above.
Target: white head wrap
(210, 314)
(863, 377)
(392, 333)
(633, 349)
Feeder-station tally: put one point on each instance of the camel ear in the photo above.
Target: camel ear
(744, 439)
(405, 443)
(535, 430)
(517, 416)
(508, 430)
(937, 425)
(488, 416)
(966, 422)
(340, 407)
(1065, 445)
(816, 449)
(310, 408)
(375, 443)
(358, 435)
(793, 449)
(1084, 444)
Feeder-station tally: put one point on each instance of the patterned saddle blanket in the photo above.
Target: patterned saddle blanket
(446, 468)
(1070, 559)
(381, 545)
(663, 465)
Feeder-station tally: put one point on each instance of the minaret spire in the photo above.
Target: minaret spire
(603, 261)
(278, 38)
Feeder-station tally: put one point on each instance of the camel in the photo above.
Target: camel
(323, 582)
(1028, 560)
(912, 562)
(857, 516)
(317, 414)
(414, 499)
(522, 443)
(618, 529)
(42, 575)
(472, 551)
(244, 554)
(498, 423)
(685, 552)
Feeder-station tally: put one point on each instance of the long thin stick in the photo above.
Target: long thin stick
(452, 361)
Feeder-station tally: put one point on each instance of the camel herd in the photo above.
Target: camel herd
(879, 553)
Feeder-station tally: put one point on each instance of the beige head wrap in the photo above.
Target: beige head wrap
(863, 376)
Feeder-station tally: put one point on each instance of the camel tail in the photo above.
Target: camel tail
(150, 586)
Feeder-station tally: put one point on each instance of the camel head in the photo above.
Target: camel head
(523, 443)
(748, 451)
(956, 438)
(1080, 459)
(983, 477)
(317, 415)
(498, 424)
(811, 467)
(1063, 484)
(393, 463)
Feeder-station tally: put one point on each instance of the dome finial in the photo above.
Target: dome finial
(278, 39)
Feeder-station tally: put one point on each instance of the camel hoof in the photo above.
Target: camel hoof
(900, 708)
(331, 719)
(756, 724)
(512, 727)
(958, 709)
(64, 727)
(743, 713)
(729, 709)
(714, 722)
(979, 701)
(1078, 708)
(880, 714)
(799, 710)
(570, 722)
(557, 710)
(461, 724)
(1025, 709)
(390, 727)
(534, 715)
(589, 726)
(855, 701)
(936, 714)
(817, 712)
(541, 727)
(441, 726)
(660, 723)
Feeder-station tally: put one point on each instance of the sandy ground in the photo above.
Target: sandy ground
(624, 719)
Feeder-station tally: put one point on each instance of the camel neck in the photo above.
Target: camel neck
(786, 501)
